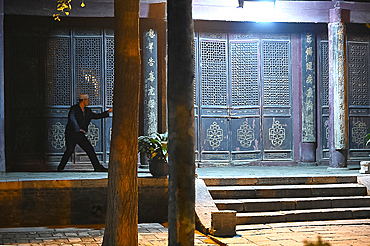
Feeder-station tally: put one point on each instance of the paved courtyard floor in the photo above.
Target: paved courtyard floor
(149, 234)
(336, 233)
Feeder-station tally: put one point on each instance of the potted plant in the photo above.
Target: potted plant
(155, 147)
(367, 138)
(364, 165)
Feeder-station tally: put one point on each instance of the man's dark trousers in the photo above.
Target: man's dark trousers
(80, 139)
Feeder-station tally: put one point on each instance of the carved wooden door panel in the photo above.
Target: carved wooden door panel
(324, 98)
(277, 104)
(244, 98)
(213, 77)
(78, 61)
(88, 79)
(46, 70)
(358, 96)
(358, 85)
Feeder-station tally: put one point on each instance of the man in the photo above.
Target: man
(79, 118)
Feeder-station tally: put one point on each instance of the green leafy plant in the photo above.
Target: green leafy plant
(367, 138)
(155, 145)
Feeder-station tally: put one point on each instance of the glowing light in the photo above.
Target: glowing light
(263, 11)
(259, 11)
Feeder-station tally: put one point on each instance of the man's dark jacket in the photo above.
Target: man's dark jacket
(80, 120)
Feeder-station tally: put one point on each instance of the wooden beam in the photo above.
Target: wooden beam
(282, 11)
(215, 10)
(93, 8)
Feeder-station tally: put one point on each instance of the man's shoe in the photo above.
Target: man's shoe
(101, 168)
(59, 169)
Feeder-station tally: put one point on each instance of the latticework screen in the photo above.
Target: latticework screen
(325, 73)
(358, 74)
(88, 68)
(57, 72)
(244, 74)
(213, 68)
(276, 73)
(109, 70)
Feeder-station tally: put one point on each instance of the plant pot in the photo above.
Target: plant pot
(144, 160)
(158, 168)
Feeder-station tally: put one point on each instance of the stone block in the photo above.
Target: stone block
(260, 218)
(283, 191)
(360, 213)
(232, 192)
(223, 223)
(263, 205)
(365, 167)
(317, 214)
(351, 202)
(313, 203)
(236, 205)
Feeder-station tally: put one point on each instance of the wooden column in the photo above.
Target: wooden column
(181, 131)
(2, 91)
(308, 146)
(338, 106)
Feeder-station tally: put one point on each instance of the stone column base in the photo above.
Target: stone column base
(365, 167)
(223, 223)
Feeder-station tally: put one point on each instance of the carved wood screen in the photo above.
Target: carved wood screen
(63, 63)
(358, 95)
(244, 86)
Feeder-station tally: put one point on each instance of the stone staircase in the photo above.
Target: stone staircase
(288, 199)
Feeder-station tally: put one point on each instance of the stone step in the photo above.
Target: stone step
(302, 215)
(280, 180)
(287, 191)
(278, 204)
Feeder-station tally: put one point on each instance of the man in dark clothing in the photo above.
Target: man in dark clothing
(79, 118)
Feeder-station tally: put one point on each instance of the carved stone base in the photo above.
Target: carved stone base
(365, 167)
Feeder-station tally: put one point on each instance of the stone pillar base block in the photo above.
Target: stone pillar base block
(365, 167)
(223, 223)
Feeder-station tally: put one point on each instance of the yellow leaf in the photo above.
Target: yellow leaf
(82, 4)
(67, 13)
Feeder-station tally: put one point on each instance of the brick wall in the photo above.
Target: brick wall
(73, 202)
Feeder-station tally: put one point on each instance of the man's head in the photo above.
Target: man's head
(84, 98)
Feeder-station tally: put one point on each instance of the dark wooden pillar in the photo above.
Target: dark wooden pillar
(2, 91)
(338, 106)
(308, 146)
(181, 131)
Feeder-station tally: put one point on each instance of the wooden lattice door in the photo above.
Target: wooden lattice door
(244, 86)
(87, 68)
(358, 85)
(47, 70)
